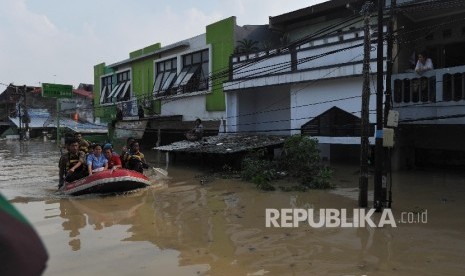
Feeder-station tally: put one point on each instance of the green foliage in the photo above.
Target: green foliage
(257, 169)
(284, 39)
(246, 46)
(301, 161)
(262, 183)
(266, 45)
(301, 156)
(322, 180)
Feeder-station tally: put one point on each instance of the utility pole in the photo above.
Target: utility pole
(20, 115)
(388, 100)
(364, 142)
(379, 151)
(26, 114)
(389, 61)
(58, 122)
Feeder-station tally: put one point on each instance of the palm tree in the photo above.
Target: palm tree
(246, 46)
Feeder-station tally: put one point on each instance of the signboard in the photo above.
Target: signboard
(129, 109)
(51, 90)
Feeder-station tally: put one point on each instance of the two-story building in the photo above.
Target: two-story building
(161, 90)
(311, 85)
(431, 104)
(314, 84)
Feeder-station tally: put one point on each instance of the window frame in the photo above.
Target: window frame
(114, 85)
(164, 70)
(194, 70)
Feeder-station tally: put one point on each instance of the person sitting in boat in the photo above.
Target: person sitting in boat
(136, 160)
(126, 152)
(96, 161)
(72, 163)
(114, 160)
(83, 143)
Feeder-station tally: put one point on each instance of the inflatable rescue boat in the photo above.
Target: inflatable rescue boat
(108, 181)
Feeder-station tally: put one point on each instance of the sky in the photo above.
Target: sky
(60, 41)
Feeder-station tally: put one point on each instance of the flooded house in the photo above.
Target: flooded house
(26, 113)
(302, 73)
(313, 84)
(430, 104)
(159, 91)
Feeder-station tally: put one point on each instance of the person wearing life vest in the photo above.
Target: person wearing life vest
(72, 163)
(83, 143)
(126, 152)
(135, 160)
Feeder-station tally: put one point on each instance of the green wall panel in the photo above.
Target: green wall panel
(152, 48)
(142, 77)
(99, 70)
(144, 51)
(221, 36)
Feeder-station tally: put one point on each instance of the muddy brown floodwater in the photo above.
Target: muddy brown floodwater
(186, 226)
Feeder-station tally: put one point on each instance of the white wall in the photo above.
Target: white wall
(191, 107)
(264, 110)
(266, 66)
(311, 99)
(231, 112)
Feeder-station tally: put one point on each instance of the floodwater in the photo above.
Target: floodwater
(194, 224)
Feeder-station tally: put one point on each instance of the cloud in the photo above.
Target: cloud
(33, 48)
(50, 41)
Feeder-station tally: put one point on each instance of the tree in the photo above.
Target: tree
(246, 46)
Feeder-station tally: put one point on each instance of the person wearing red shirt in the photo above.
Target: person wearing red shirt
(114, 160)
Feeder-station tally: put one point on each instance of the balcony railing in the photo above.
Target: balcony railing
(440, 85)
(435, 97)
(332, 56)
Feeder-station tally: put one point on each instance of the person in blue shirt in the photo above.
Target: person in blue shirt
(96, 161)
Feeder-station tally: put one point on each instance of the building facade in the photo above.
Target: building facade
(430, 104)
(167, 88)
(310, 85)
(313, 84)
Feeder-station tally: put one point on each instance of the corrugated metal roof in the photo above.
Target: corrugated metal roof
(224, 144)
(41, 118)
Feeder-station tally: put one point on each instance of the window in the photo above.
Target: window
(107, 86)
(334, 122)
(165, 74)
(118, 92)
(194, 74)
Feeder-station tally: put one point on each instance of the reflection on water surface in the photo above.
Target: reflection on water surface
(184, 227)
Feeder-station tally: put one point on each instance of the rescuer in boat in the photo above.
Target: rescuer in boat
(83, 143)
(126, 152)
(96, 161)
(114, 160)
(72, 163)
(135, 160)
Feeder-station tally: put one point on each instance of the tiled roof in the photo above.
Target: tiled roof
(84, 93)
